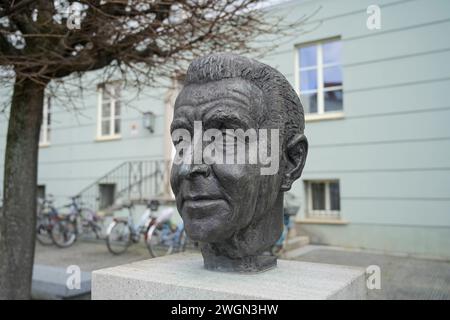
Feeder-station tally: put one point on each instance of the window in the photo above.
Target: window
(44, 136)
(109, 111)
(107, 192)
(319, 77)
(323, 199)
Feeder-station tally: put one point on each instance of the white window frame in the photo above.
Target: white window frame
(44, 136)
(112, 117)
(321, 113)
(322, 214)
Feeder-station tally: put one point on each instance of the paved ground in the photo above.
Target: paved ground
(88, 256)
(401, 277)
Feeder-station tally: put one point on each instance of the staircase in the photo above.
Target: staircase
(134, 181)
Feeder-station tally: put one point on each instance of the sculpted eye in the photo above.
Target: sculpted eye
(179, 135)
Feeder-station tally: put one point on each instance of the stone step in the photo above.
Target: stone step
(296, 242)
(298, 227)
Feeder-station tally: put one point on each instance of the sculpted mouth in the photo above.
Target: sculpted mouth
(197, 201)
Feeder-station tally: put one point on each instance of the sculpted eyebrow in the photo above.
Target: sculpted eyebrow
(225, 119)
(241, 100)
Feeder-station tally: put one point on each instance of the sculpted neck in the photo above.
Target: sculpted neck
(247, 250)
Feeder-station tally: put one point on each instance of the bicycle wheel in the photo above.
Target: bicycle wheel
(87, 218)
(97, 230)
(43, 235)
(182, 242)
(64, 233)
(118, 238)
(158, 242)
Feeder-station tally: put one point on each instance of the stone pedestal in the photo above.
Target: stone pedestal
(182, 276)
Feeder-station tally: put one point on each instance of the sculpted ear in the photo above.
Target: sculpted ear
(296, 152)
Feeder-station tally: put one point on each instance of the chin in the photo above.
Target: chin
(206, 219)
(208, 229)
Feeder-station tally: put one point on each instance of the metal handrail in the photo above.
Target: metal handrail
(134, 180)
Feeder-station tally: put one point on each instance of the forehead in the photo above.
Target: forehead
(237, 93)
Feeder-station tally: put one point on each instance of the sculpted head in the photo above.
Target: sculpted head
(235, 210)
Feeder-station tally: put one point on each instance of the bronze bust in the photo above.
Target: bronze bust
(234, 209)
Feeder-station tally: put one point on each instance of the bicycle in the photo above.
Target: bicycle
(290, 210)
(278, 247)
(156, 230)
(164, 239)
(121, 233)
(79, 220)
(47, 217)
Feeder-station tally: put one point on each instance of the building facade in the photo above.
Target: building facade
(373, 82)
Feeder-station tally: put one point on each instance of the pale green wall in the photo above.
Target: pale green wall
(391, 151)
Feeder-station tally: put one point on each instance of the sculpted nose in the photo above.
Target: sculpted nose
(190, 171)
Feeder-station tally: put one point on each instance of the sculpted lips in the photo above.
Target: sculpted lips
(191, 202)
(200, 198)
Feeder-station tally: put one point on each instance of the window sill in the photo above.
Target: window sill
(321, 221)
(108, 138)
(44, 145)
(324, 116)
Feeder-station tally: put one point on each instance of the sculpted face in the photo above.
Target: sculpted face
(218, 200)
(238, 109)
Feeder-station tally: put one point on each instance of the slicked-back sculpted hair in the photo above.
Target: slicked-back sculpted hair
(283, 102)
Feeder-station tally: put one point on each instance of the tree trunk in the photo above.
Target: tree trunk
(18, 218)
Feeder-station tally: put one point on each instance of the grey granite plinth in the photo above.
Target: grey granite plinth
(182, 276)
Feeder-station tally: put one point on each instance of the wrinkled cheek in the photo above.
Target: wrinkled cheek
(241, 184)
(233, 177)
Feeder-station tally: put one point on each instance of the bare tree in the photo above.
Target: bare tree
(42, 41)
